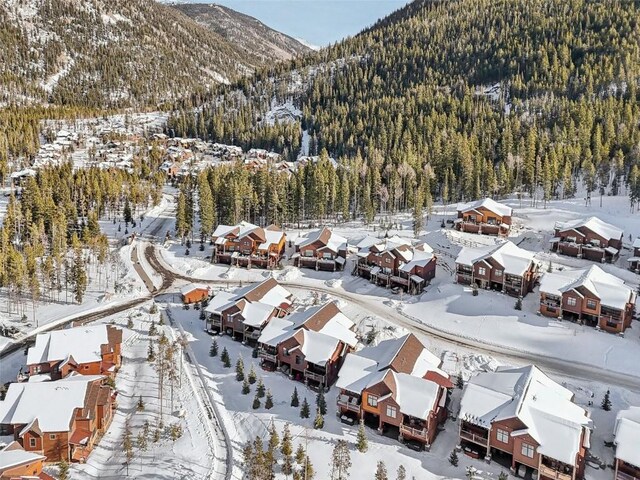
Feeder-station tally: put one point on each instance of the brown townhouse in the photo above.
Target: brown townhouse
(321, 249)
(309, 345)
(247, 245)
(627, 445)
(88, 350)
(591, 239)
(17, 464)
(486, 217)
(60, 420)
(396, 263)
(396, 387)
(590, 296)
(244, 313)
(506, 268)
(526, 418)
(634, 261)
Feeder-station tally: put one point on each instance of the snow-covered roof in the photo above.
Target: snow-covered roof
(604, 229)
(256, 314)
(332, 241)
(515, 260)
(544, 406)
(489, 204)
(330, 320)
(11, 457)
(272, 237)
(52, 404)
(611, 290)
(220, 302)
(268, 291)
(277, 330)
(420, 258)
(415, 395)
(627, 436)
(82, 343)
(636, 243)
(243, 229)
(317, 347)
(191, 287)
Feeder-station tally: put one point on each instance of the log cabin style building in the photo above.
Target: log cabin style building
(505, 267)
(60, 420)
(486, 217)
(248, 245)
(395, 263)
(627, 445)
(87, 350)
(397, 387)
(321, 250)
(590, 296)
(591, 239)
(309, 345)
(244, 313)
(526, 418)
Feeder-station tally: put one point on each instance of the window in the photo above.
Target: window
(571, 301)
(502, 436)
(32, 442)
(372, 400)
(285, 352)
(298, 360)
(595, 242)
(52, 436)
(498, 273)
(308, 253)
(591, 304)
(387, 260)
(391, 411)
(528, 450)
(482, 271)
(571, 239)
(86, 367)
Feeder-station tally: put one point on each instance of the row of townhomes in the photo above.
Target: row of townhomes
(523, 416)
(591, 239)
(486, 217)
(63, 403)
(247, 245)
(321, 249)
(396, 262)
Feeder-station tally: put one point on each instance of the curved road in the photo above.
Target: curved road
(566, 368)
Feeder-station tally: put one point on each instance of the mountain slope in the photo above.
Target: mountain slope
(110, 53)
(246, 33)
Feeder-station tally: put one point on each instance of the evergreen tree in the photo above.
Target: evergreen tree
(304, 410)
(140, 405)
(340, 461)
(362, 444)
(318, 422)
(381, 471)
(459, 381)
(127, 444)
(260, 389)
(606, 402)
(151, 354)
(401, 473)
(213, 351)
(141, 441)
(245, 387)
(518, 305)
(503, 476)
(153, 330)
(300, 454)
(256, 402)
(295, 402)
(321, 402)
(240, 370)
(224, 356)
(453, 458)
(268, 403)
(252, 375)
(63, 470)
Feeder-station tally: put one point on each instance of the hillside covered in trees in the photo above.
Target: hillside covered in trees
(113, 53)
(461, 98)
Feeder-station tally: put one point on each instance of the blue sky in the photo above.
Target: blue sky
(318, 22)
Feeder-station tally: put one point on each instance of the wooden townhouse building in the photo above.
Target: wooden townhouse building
(591, 239)
(321, 250)
(395, 263)
(60, 420)
(486, 217)
(627, 445)
(18, 464)
(634, 260)
(244, 313)
(522, 416)
(248, 245)
(87, 350)
(397, 387)
(309, 345)
(589, 295)
(504, 267)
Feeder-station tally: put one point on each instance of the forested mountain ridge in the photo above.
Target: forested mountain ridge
(458, 99)
(111, 53)
(246, 33)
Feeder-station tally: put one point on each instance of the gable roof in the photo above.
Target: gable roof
(489, 204)
(13, 455)
(191, 287)
(611, 290)
(542, 405)
(80, 343)
(627, 435)
(50, 404)
(316, 347)
(514, 260)
(268, 291)
(604, 229)
(326, 237)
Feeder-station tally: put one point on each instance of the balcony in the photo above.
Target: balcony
(351, 404)
(420, 433)
(625, 476)
(253, 334)
(474, 437)
(314, 377)
(400, 280)
(549, 472)
(271, 357)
